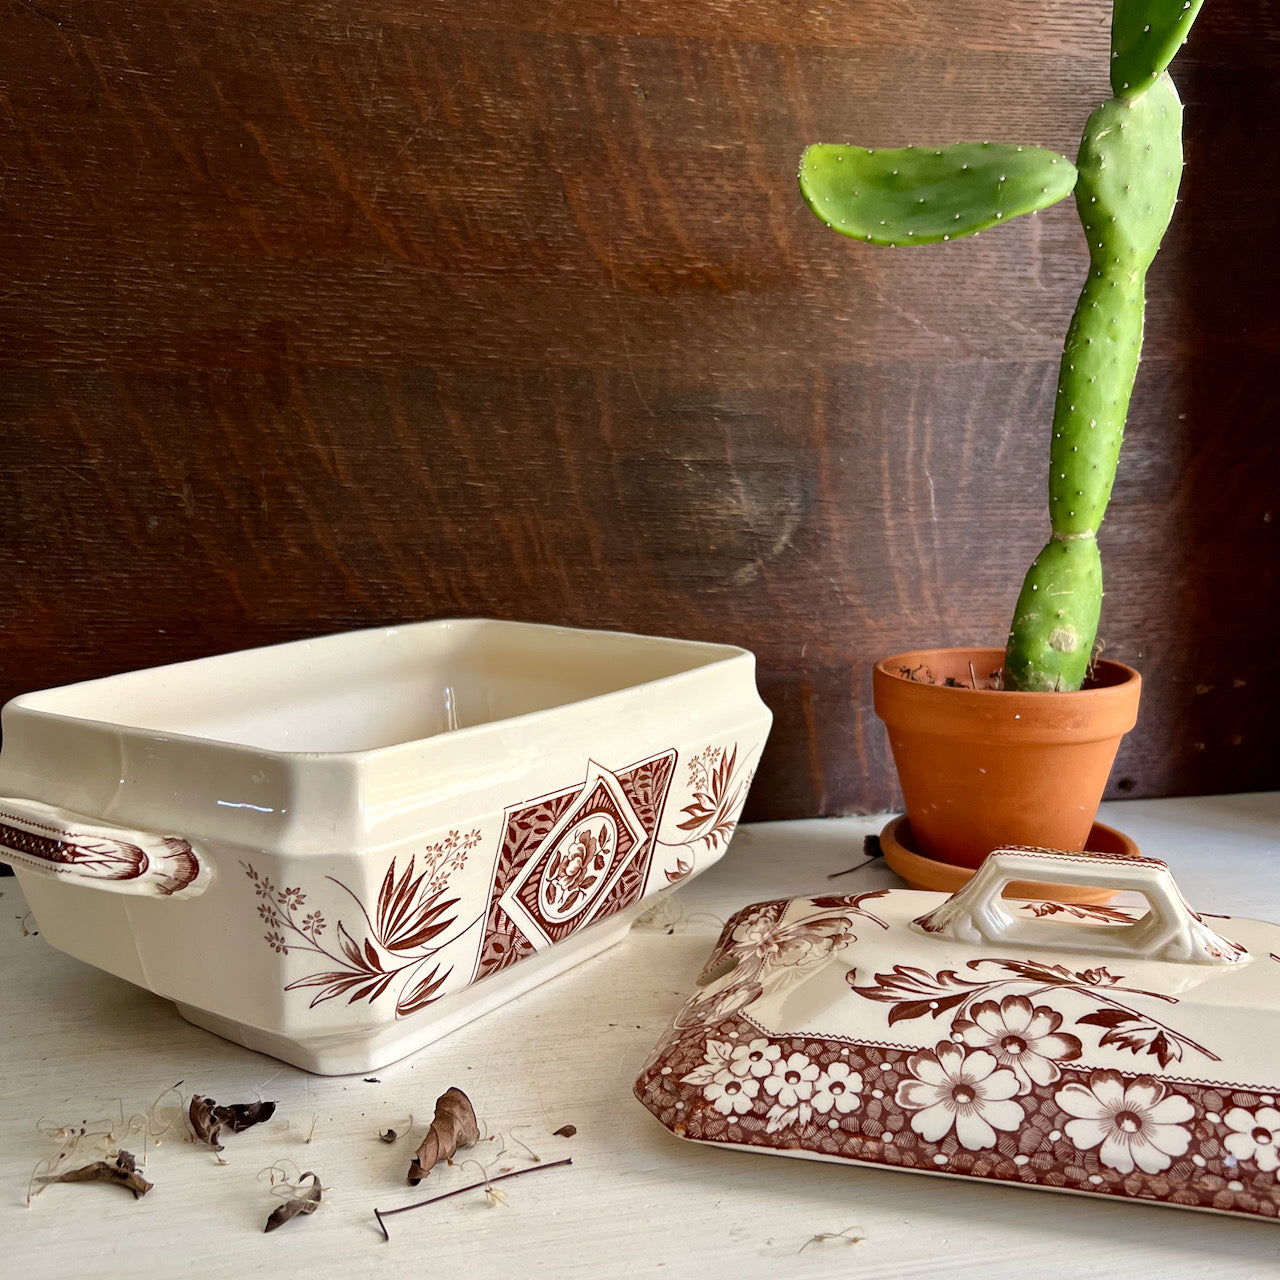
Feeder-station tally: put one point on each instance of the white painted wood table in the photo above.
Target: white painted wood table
(82, 1048)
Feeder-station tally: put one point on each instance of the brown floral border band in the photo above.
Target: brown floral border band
(957, 1110)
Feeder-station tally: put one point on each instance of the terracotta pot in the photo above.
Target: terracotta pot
(982, 768)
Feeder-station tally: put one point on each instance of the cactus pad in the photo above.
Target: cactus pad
(921, 195)
(1099, 363)
(1130, 166)
(1145, 34)
(1056, 618)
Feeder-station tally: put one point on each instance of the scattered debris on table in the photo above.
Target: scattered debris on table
(454, 1125)
(487, 1184)
(826, 1237)
(120, 1172)
(668, 915)
(871, 850)
(524, 1146)
(102, 1137)
(306, 1200)
(208, 1118)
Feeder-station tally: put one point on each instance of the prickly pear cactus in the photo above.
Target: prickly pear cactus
(1125, 181)
(916, 195)
(1145, 34)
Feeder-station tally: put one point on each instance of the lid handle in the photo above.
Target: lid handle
(88, 851)
(1170, 930)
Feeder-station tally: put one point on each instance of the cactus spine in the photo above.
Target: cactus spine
(1126, 182)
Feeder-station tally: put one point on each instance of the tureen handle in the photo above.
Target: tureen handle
(87, 851)
(1169, 931)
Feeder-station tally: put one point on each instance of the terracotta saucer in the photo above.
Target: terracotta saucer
(920, 872)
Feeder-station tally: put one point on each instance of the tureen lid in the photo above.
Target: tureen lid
(1093, 1049)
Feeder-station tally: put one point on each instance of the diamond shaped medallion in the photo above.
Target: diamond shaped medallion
(572, 858)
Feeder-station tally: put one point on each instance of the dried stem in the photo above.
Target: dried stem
(457, 1191)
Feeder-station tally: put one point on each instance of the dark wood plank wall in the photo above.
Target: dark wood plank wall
(320, 315)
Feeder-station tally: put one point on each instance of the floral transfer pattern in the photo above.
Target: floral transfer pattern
(916, 993)
(795, 1088)
(1254, 1136)
(1021, 1036)
(573, 857)
(1135, 1124)
(577, 866)
(757, 943)
(391, 950)
(1094, 912)
(719, 784)
(967, 1091)
(956, 1109)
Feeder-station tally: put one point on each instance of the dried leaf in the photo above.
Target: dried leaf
(566, 1131)
(203, 1125)
(453, 1126)
(389, 1137)
(239, 1116)
(120, 1172)
(307, 1201)
(208, 1118)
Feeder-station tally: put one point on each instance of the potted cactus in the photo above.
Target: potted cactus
(1008, 713)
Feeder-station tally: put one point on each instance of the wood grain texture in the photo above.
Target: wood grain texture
(313, 318)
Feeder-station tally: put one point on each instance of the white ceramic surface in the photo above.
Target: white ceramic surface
(1091, 1049)
(337, 850)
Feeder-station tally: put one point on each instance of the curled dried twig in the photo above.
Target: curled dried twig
(824, 1237)
(871, 850)
(306, 1201)
(120, 1172)
(454, 1125)
(528, 1150)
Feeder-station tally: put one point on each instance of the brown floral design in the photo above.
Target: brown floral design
(915, 993)
(1079, 911)
(965, 1090)
(410, 925)
(756, 942)
(1021, 1036)
(577, 866)
(1134, 1124)
(954, 1109)
(1004, 1096)
(719, 788)
(533, 835)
